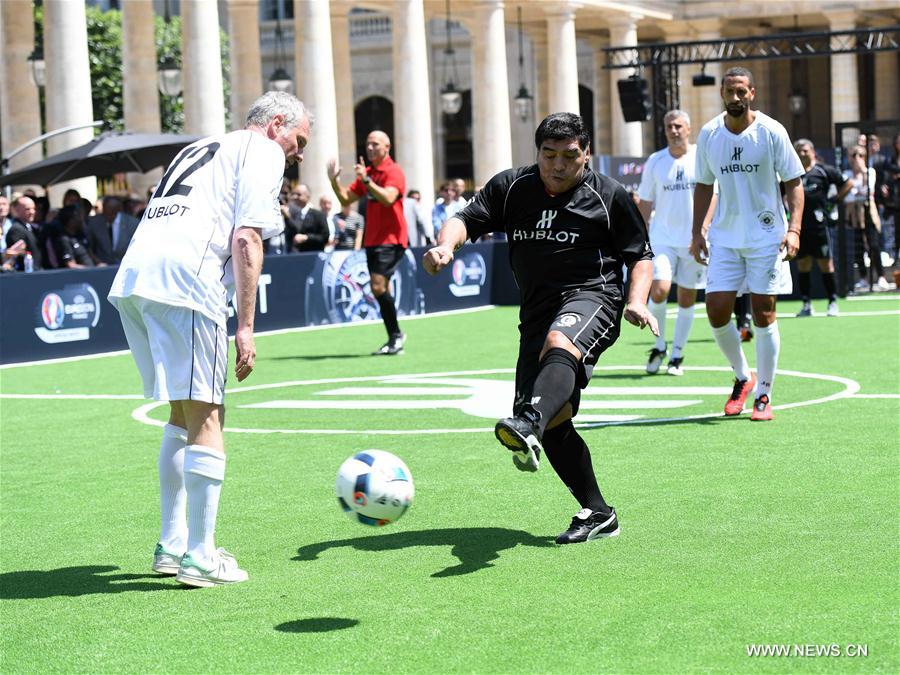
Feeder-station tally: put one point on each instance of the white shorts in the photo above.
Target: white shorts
(675, 263)
(181, 354)
(762, 271)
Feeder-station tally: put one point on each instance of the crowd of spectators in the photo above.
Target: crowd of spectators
(37, 236)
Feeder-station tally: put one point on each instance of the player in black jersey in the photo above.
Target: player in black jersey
(814, 237)
(570, 232)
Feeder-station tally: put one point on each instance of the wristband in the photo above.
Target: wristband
(797, 232)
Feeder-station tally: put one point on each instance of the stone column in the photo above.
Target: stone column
(412, 105)
(343, 82)
(492, 141)
(562, 59)
(887, 84)
(708, 100)
(844, 82)
(312, 28)
(20, 117)
(627, 138)
(246, 61)
(602, 110)
(68, 86)
(204, 103)
(140, 95)
(538, 37)
(678, 33)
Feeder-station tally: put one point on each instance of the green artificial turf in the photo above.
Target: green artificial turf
(733, 533)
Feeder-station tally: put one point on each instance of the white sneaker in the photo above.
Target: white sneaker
(861, 285)
(833, 309)
(881, 285)
(165, 562)
(655, 360)
(224, 571)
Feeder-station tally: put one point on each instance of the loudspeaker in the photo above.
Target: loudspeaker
(635, 99)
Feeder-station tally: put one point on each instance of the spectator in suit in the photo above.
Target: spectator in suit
(110, 232)
(5, 221)
(306, 227)
(24, 228)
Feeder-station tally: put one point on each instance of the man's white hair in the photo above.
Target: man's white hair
(675, 114)
(274, 103)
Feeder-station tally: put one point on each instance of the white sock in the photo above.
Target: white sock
(683, 323)
(658, 309)
(204, 470)
(172, 495)
(729, 341)
(768, 344)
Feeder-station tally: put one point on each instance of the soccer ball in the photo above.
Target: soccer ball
(374, 487)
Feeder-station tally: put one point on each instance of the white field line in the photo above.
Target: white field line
(279, 331)
(871, 297)
(851, 388)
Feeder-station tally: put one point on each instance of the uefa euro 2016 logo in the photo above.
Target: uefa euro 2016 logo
(53, 311)
(67, 314)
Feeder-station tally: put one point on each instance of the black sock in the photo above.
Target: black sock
(804, 279)
(388, 314)
(828, 282)
(554, 384)
(571, 459)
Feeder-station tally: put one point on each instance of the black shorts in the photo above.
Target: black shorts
(590, 319)
(815, 241)
(384, 260)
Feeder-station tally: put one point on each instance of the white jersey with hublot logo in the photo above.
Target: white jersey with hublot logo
(669, 182)
(748, 167)
(180, 254)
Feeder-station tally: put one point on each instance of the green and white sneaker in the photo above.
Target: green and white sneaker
(224, 571)
(165, 562)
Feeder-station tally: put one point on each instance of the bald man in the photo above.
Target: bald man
(386, 237)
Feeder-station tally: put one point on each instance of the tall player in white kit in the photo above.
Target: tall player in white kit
(201, 236)
(750, 239)
(667, 191)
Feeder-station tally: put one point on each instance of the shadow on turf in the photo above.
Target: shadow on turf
(322, 624)
(475, 547)
(74, 581)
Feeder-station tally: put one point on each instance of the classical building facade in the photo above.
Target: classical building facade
(364, 65)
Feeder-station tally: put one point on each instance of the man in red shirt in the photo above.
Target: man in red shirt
(386, 237)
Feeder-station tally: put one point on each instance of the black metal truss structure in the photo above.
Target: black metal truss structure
(664, 58)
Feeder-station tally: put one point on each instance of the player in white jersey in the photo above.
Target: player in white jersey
(201, 236)
(667, 191)
(750, 240)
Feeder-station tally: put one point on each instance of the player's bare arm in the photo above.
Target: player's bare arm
(794, 197)
(344, 196)
(646, 208)
(452, 236)
(703, 195)
(385, 196)
(640, 275)
(247, 258)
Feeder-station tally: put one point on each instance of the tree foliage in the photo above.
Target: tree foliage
(104, 33)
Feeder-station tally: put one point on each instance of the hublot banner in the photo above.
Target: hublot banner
(65, 313)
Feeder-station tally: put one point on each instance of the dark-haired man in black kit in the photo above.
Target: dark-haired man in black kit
(570, 231)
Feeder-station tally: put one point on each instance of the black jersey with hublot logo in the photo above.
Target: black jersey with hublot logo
(578, 240)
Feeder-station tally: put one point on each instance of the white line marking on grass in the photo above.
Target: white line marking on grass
(277, 331)
(883, 312)
(79, 397)
(851, 388)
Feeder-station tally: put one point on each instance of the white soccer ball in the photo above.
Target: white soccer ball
(374, 487)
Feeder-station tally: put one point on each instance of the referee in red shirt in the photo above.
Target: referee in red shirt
(386, 237)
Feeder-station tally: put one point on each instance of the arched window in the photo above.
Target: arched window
(374, 113)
